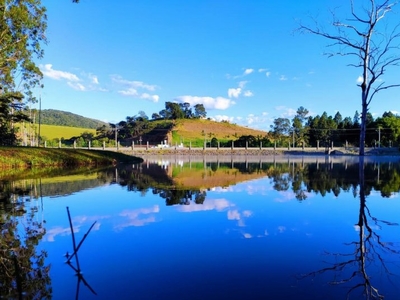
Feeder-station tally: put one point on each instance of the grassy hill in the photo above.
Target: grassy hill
(63, 118)
(197, 130)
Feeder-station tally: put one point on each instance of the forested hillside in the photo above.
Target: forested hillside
(63, 118)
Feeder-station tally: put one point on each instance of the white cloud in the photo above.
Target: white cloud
(268, 74)
(129, 92)
(135, 217)
(286, 112)
(133, 83)
(153, 98)
(248, 93)
(217, 204)
(94, 79)
(242, 84)
(283, 78)
(233, 215)
(359, 79)
(48, 71)
(136, 89)
(208, 102)
(248, 71)
(234, 93)
(77, 86)
(261, 70)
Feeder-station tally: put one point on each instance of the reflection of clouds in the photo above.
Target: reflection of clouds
(247, 213)
(53, 232)
(373, 227)
(281, 229)
(77, 223)
(135, 217)
(235, 215)
(251, 188)
(217, 204)
(285, 196)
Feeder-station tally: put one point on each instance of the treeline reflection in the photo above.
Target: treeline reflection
(300, 178)
(178, 184)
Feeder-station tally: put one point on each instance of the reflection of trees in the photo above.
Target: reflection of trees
(353, 268)
(335, 178)
(183, 197)
(23, 273)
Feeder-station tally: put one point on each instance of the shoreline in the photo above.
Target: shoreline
(257, 151)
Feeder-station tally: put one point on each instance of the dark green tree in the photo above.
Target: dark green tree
(174, 110)
(299, 127)
(281, 129)
(199, 111)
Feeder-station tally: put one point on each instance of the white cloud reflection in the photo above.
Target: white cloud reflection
(217, 204)
(135, 217)
(77, 223)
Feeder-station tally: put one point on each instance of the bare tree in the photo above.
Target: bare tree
(375, 48)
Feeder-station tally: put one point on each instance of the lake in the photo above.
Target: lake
(284, 227)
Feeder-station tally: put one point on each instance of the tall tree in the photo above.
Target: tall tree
(298, 125)
(374, 49)
(199, 111)
(22, 33)
(281, 129)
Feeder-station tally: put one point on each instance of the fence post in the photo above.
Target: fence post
(89, 145)
(104, 145)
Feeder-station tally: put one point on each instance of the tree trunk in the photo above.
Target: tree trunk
(363, 128)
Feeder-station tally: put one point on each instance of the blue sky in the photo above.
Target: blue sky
(240, 58)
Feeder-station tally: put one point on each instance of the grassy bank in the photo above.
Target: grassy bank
(28, 157)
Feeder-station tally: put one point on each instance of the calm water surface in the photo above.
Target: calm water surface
(206, 228)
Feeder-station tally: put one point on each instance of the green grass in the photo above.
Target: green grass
(30, 157)
(50, 132)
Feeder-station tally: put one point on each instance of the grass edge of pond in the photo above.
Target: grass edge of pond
(31, 157)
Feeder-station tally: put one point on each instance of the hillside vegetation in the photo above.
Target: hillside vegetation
(63, 118)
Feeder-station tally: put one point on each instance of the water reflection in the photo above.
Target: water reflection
(198, 185)
(24, 273)
(352, 268)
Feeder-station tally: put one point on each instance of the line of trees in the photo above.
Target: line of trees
(305, 130)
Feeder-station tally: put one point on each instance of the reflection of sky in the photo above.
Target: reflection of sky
(247, 237)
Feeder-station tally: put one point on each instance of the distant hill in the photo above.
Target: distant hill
(63, 118)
